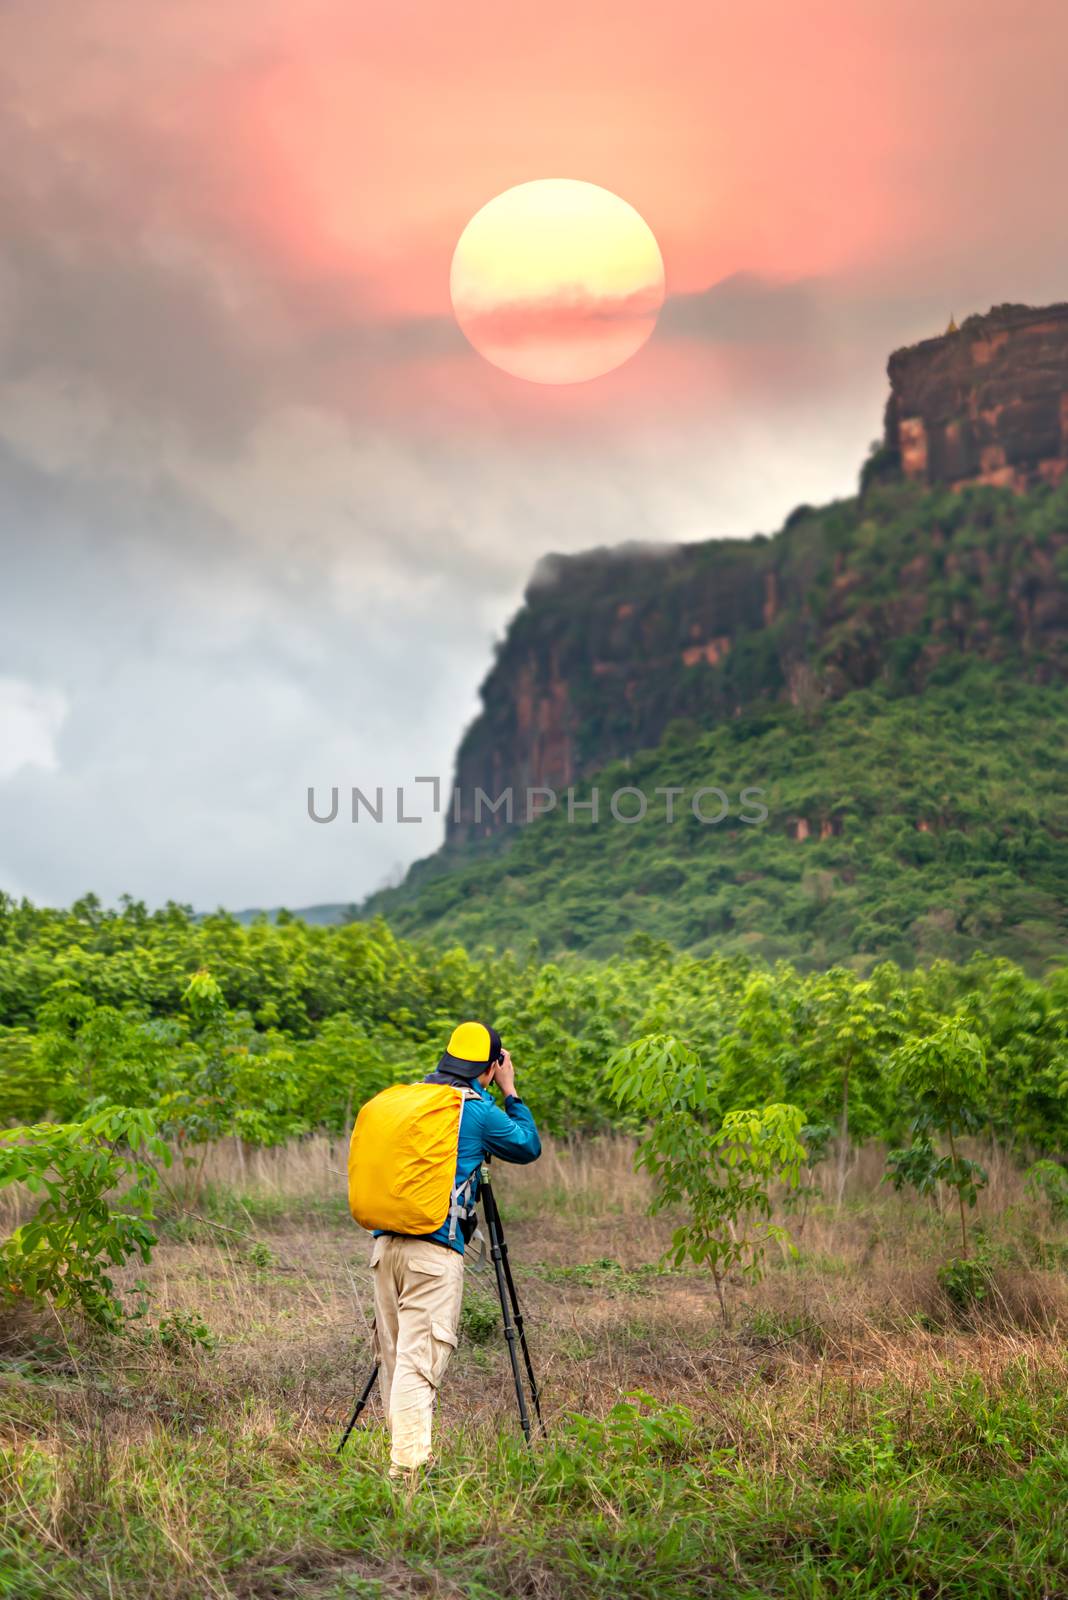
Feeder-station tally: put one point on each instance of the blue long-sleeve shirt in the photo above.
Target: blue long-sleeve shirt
(486, 1130)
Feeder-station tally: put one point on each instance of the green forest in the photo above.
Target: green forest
(274, 1031)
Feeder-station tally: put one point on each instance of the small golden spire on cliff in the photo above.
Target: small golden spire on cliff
(952, 326)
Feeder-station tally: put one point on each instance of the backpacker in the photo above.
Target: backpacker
(402, 1160)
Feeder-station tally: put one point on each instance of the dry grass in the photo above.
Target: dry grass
(279, 1275)
(843, 1343)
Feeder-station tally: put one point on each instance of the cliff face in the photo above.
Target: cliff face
(612, 647)
(600, 658)
(986, 404)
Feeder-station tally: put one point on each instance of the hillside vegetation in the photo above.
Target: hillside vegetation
(902, 828)
(888, 670)
(611, 646)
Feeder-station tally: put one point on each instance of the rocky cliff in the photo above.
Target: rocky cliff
(986, 403)
(612, 647)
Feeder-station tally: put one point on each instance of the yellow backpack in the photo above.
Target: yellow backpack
(402, 1159)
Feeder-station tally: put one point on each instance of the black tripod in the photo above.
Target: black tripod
(511, 1316)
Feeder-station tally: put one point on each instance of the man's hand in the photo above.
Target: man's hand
(504, 1076)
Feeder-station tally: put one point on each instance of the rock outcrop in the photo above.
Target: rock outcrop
(985, 403)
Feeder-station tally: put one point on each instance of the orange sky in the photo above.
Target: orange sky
(307, 169)
(777, 138)
(348, 144)
(731, 169)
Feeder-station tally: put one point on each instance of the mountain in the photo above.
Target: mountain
(888, 669)
(330, 915)
(611, 645)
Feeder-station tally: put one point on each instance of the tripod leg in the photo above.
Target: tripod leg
(535, 1393)
(497, 1256)
(491, 1205)
(361, 1402)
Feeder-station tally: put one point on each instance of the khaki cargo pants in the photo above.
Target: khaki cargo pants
(418, 1292)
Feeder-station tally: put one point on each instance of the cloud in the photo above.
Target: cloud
(117, 280)
(90, 294)
(745, 308)
(568, 311)
(30, 721)
(203, 690)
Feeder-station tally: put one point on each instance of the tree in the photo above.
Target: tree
(91, 1055)
(944, 1074)
(845, 1028)
(202, 1105)
(722, 1169)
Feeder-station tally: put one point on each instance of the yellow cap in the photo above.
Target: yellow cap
(472, 1048)
(470, 1042)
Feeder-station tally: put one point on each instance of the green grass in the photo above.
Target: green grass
(606, 1276)
(953, 1491)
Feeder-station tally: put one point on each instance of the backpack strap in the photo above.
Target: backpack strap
(477, 1259)
(462, 1202)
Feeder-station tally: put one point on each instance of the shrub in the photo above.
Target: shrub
(965, 1282)
(1049, 1180)
(182, 1332)
(63, 1252)
(480, 1318)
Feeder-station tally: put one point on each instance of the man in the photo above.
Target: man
(419, 1281)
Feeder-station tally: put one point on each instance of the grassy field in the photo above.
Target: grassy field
(850, 1434)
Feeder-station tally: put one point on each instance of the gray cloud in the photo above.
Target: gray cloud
(101, 283)
(317, 609)
(87, 293)
(203, 694)
(745, 308)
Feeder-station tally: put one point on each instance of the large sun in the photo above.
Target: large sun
(557, 281)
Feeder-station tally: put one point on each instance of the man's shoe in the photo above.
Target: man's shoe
(410, 1477)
